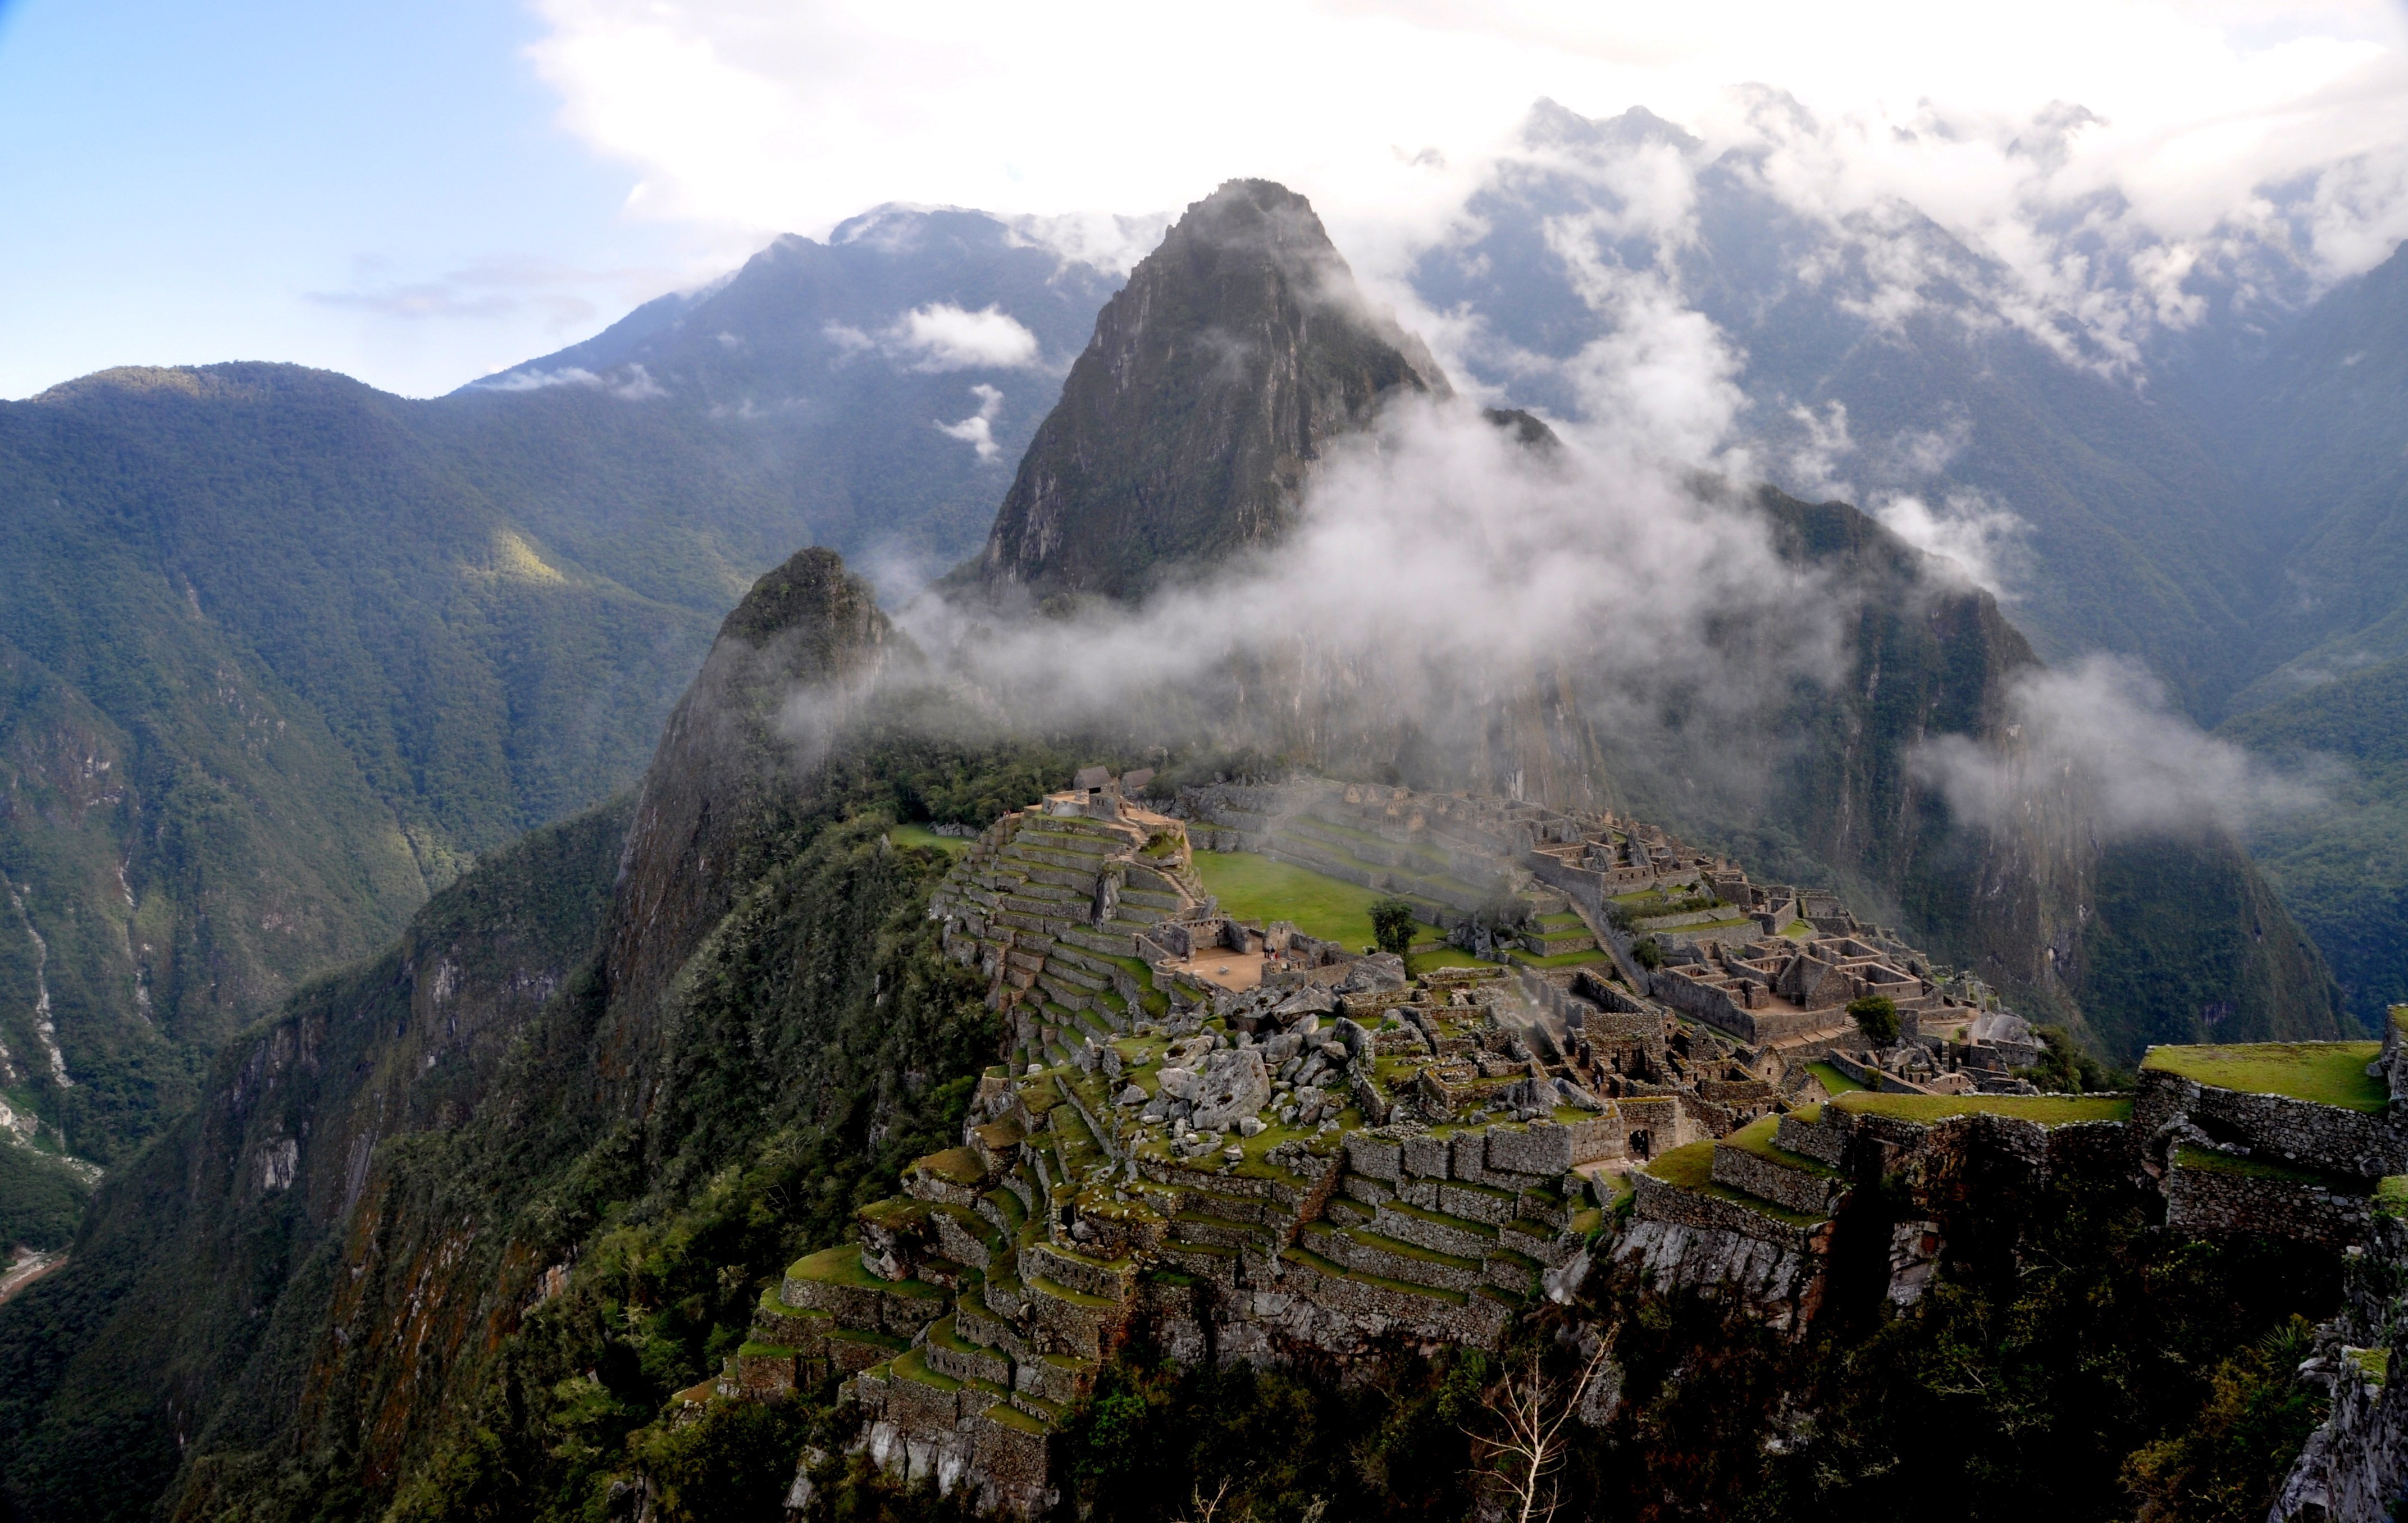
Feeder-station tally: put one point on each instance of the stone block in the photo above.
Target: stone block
(1425, 1157)
(1376, 1157)
(1792, 1187)
(1541, 1147)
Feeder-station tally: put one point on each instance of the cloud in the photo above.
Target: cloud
(2102, 730)
(1987, 546)
(561, 295)
(1437, 569)
(978, 429)
(629, 382)
(943, 337)
(2064, 136)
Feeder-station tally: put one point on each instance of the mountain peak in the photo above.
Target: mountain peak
(1236, 350)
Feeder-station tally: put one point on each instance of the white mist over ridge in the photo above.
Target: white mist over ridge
(2104, 728)
(1437, 557)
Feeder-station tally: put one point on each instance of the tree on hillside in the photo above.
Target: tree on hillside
(1876, 1016)
(1392, 925)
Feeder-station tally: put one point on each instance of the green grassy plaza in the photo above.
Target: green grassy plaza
(2325, 1073)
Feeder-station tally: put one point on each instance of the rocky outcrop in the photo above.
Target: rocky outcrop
(1235, 352)
(2355, 1468)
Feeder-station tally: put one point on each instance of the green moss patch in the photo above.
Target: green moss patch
(1562, 959)
(920, 835)
(842, 1265)
(2323, 1072)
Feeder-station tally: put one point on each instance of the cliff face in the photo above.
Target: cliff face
(2165, 937)
(1214, 377)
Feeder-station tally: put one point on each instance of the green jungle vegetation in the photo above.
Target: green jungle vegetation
(2342, 864)
(41, 1199)
(280, 654)
(1261, 889)
(2325, 1073)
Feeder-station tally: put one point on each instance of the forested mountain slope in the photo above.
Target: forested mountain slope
(351, 1251)
(278, 653)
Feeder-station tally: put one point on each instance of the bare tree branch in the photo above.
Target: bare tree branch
(1521, 1446)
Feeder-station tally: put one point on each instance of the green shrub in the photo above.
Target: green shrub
(1392, 925)
(1876, 1016)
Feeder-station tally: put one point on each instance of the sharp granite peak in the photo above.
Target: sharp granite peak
(1236, 350)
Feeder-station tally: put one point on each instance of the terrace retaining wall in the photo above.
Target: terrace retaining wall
(2322, 1137)
(2214, 1201)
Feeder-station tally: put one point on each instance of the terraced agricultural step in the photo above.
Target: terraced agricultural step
(834, 1281)
(1003, 1210)
(1060, 1379)
(1110, 1280)
(1037, 1408)
(1434, 1229)
(1514, 1274)
(1067, 968)
(1068, 997)
(1306, 1258)
(968, 1237)
(1215, 1233)
(1106, 941)
(1346, 1212)
(1072, 1321)
(1072, 880)
(1393, 1259)
(977, 1321)
(1540, 1241)
(1227, 1208)
(949, 1353)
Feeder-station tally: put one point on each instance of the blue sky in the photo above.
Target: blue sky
(376, 189)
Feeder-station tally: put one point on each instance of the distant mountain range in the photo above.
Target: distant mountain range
(281, 652)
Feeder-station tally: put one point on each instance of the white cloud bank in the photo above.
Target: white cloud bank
(943, 337)
(978, 429)
(2034, 127)
(2104, 725)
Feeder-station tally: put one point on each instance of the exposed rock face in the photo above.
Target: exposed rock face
(1232, 1084)
(1214, 377)
(2171, 937)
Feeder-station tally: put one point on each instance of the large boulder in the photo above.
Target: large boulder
(1232, 1084)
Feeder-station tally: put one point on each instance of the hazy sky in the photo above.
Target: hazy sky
(419, 194)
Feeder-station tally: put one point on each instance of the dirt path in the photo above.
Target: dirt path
(28, 1267)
